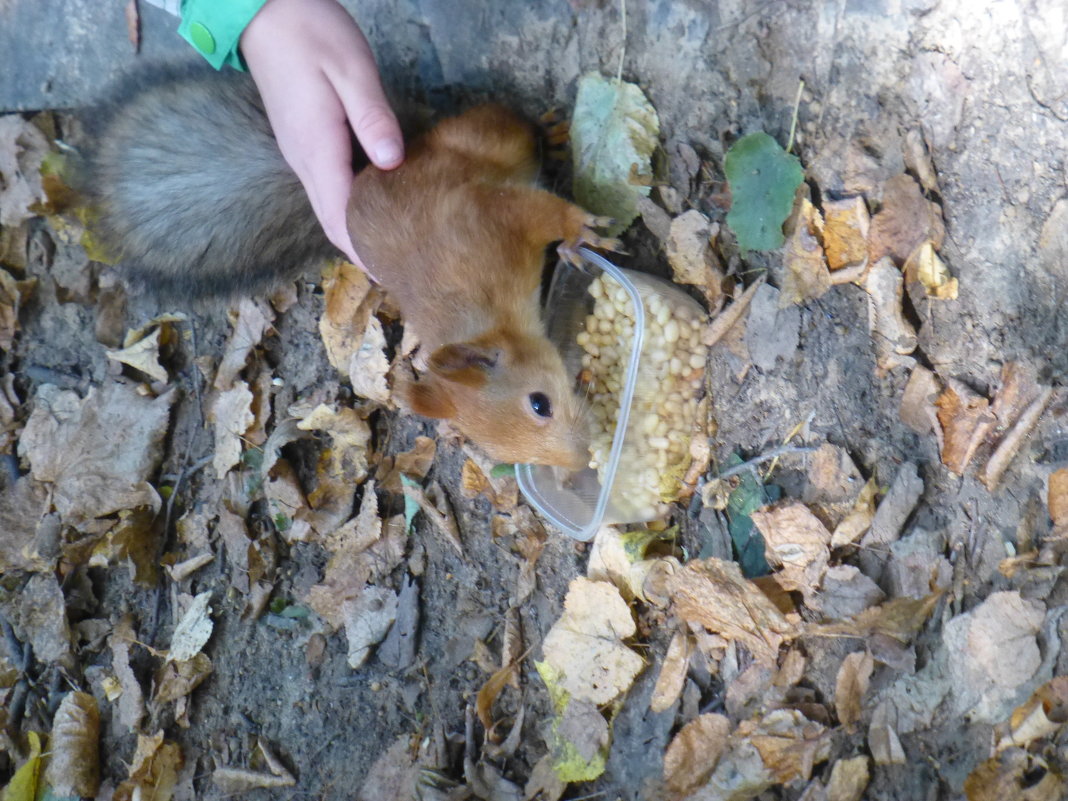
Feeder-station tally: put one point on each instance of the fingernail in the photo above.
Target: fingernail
(388, 153)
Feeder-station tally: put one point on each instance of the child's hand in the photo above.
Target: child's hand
(317, 76)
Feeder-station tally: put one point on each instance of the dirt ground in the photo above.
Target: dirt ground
(981, 85)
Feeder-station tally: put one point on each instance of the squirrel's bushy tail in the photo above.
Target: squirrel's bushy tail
(193, 195)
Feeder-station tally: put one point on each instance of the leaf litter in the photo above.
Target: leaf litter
(822, 624)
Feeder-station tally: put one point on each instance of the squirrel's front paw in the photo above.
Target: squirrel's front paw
(568, 249)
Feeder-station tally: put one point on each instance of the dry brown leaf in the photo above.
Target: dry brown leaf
(176, 680)
(232, 781)
(847, 592)
(850, 685)
(1043, 714)
(917, 409)
(858, 520)
(353, 560)
(193, 629)
(543, 783)
(692, 755)
(883, 742)
(488, 693)
(918, 160)
(74, 765)
(133, 539)
(39, 613)
(894, 336)
(350, 300)
(153, 772)
(437, 510)
(899, 619)
(131, 705)
(585, 646)
(22, 149)
(904, 222)
(367, 619)
(288, 509)
(789, 743)
(1011, 443)
(1057, 499)
(233, 532)
(966, 422)
(689, 251)
(714, 594)
(1014, 775)
(13, 294)
(849, 779)
(807, 276)
(143, 355)
(417, 462)
(24, 518)
(995, 650)
(368, 365)
(672, 676)
(341, 467)
(393, 775)
(924, 267)
(250, 322)
(98, 452)
(231, 414)
(845, 232)
(796, 542)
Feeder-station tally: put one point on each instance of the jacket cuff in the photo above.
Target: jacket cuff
(214, 28)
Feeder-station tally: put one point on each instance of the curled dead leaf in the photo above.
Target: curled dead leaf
(713, 593)
(74, 765)
(966, 422)
(807, 276)
(692, 755)
(851, 683)
(672, 675)
(845, 232)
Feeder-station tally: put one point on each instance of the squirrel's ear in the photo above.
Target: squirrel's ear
(464, 363)
(426, 398)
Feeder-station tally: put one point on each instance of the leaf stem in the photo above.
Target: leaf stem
(793, 120)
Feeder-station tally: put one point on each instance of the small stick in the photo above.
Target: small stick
(1004, 453)
(793, 121)
(729, 316)
(774, 453)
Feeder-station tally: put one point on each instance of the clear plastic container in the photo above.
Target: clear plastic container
(632, 341)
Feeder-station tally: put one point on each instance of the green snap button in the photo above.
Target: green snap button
(202, 38)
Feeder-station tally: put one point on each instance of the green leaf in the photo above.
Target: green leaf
(746, 498)
(411, 508)
(24, 784)
(502, 471)
(763, 180)
(614, 131)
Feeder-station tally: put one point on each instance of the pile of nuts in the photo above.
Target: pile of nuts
(656, 450)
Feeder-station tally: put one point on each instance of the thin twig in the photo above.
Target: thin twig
(793, 119)
(774, 453)
(623, 44)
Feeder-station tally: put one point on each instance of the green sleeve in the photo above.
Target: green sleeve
(214, 28)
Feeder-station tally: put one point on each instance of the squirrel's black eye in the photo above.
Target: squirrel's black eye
(539, 402)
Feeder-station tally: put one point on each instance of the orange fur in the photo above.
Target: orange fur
(457, 235)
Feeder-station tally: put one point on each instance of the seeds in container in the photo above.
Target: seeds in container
(655, 452)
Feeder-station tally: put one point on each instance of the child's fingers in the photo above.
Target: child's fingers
(368, 110)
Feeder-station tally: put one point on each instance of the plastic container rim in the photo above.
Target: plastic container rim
(523, 472)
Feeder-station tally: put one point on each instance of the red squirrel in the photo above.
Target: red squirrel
(194, 197)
